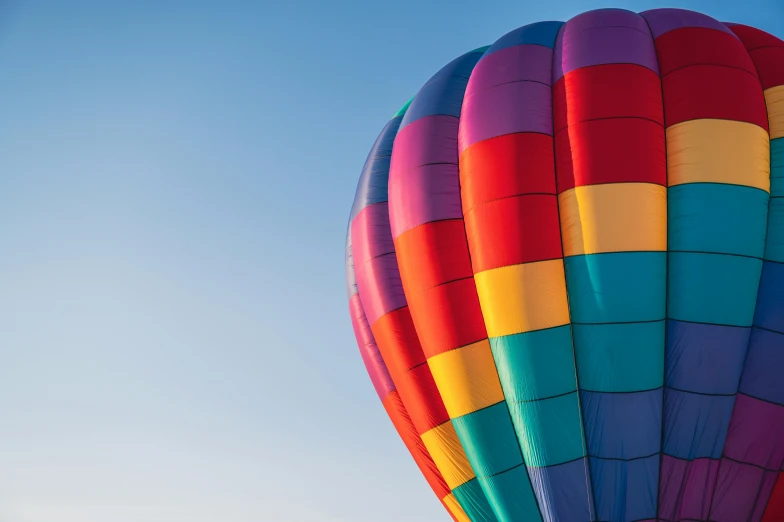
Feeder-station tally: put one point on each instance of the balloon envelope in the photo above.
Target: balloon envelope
(565, 266)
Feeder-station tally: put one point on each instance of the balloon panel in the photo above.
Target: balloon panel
(565, 264)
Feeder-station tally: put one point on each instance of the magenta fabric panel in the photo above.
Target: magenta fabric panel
(521, 63)
(424, 194)
(370, 233)
(374, 363)
(506, 109)
(664, 20)
(740, 489)
(686, 487)
(424, 183)
(379, 285)
(756, 433)
(604, 36)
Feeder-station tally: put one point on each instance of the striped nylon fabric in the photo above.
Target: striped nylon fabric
(566, 273)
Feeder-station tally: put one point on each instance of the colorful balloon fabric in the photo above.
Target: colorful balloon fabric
(565, 264)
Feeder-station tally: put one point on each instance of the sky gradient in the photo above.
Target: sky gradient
(175, 184)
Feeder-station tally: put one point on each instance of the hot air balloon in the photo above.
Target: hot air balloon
(565, 264)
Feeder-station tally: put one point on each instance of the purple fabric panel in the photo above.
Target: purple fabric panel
(738, 490)
(368, 349)
(506, 109)
(514, 64)
(663, 20)
(379, 285)
(755, 433)
(608, 17)
(370, 233)
(424, 194)
(604, 36)
(424, 183)
(686, 488)
(432, 139)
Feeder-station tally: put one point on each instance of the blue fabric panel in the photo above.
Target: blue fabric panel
(473, 501)
(552, 433)
(442, 96)
(622, 425)
(620, 357)
(696, 425)
(563, 491)
(762, 375)
(443, 93)
(374, 179)
(777, 167)
(705, 358)
(712, 217)
(770, 301)
(508, 499)
(712, 288)
(489, 441)
(616, 287)
(541, 33)
(625, 491)
(535, 365)
(774, 247)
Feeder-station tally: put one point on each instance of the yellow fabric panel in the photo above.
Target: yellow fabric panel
(448, 454)
(467, 378)
(453, 506)
(614, 217)
(774, 99)
(718, 151)
(522, 298)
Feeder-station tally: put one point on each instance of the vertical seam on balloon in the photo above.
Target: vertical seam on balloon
(666, 285)
(424, 448)
(450, 420)
(404, 410)
(751, 332)
(495, 364)
(592, 513)
(752, 328)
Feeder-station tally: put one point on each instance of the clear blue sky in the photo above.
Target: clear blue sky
(175, 181)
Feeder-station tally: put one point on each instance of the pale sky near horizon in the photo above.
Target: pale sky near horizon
(175, 183)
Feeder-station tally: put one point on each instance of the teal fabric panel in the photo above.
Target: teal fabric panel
(616, 287)
(488, 438)
(712, 288)
(777, 167)
(712, 217)
(535, 365)
(553, 430)
(620, 357)
(473, 501)
(508, 499)
(774, 246)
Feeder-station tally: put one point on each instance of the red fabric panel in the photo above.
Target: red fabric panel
(770, 65)
(508, 165)
(610, 151)
(433, 254)
(405, 428)
(513, 230)
(711, 91)
(448, 316)
(701, 46)
(398, 342)
(775, 510)
(423, 402)
(607, 91)
(754, 38)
